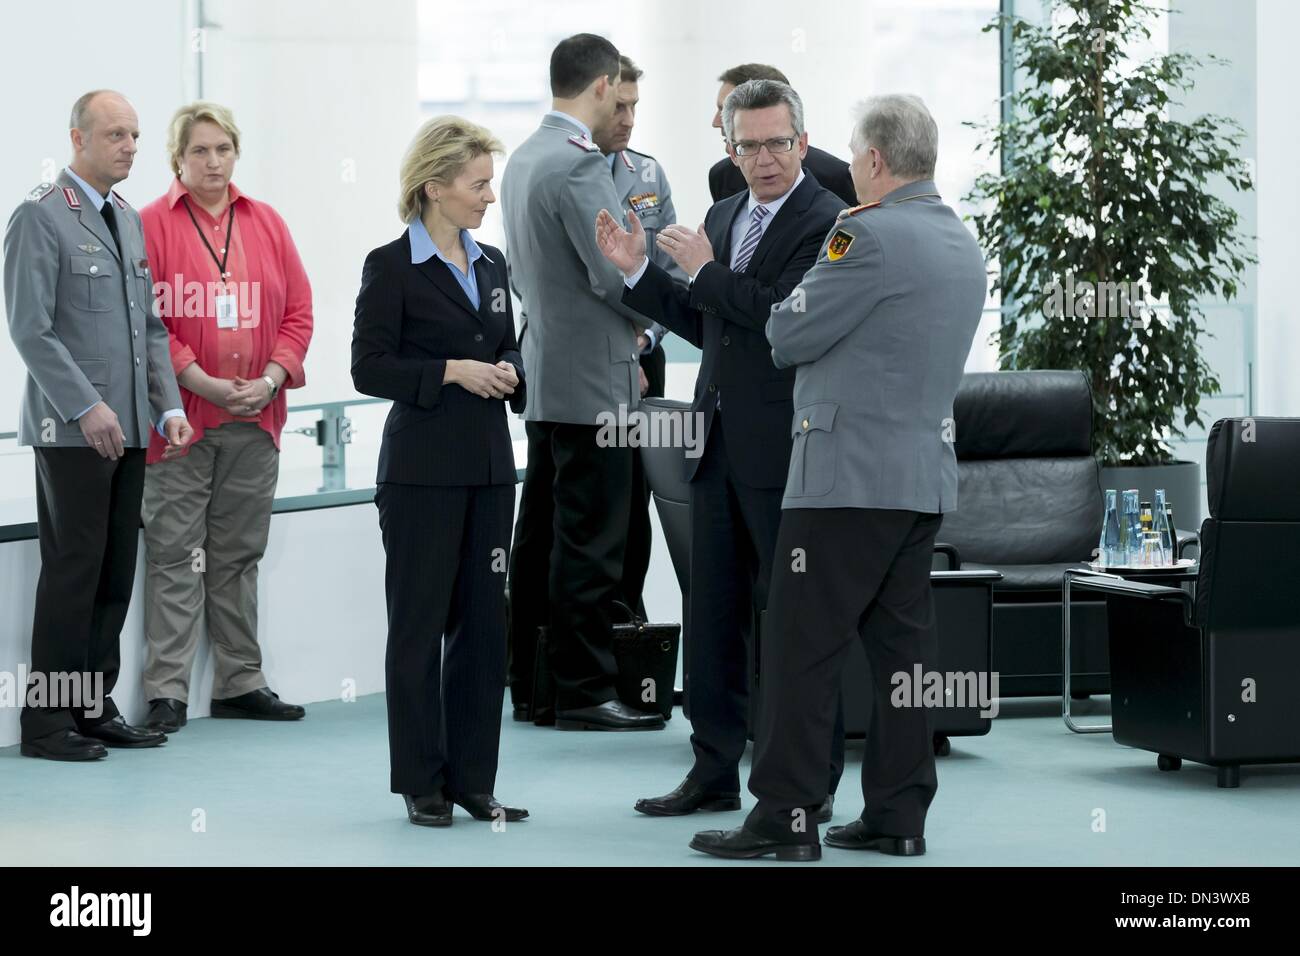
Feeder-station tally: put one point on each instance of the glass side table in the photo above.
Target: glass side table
(1174, 575)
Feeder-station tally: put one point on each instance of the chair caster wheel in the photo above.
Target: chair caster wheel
(1229, 777)
(1167, 763)
(942, 746)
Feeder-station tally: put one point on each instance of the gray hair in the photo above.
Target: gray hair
(902, 129)
(80, 118)
(757, 95)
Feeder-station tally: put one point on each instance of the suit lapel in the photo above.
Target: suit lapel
(437, 272)
(89, 216)
(487, 290)
(790, 210)
(720, 232)
(624, 181)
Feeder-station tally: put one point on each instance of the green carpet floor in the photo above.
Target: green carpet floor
(316, 793)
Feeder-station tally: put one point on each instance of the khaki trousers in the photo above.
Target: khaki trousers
(206, 520)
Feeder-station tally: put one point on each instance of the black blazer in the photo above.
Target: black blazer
(726, 179)
(410, 320)
(725, 315)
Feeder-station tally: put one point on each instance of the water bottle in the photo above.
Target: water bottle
(1163, 527)
(1108, 546)
(1132, 526)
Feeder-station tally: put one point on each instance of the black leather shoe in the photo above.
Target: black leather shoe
(826, 810)
(484, 806)
(523, 713)
(611, 715)
(430, 811)
(260, 704)
(855, 836)
(743, 844)
(687, 798)
(64, 745)
(118, 733)
(166, 715)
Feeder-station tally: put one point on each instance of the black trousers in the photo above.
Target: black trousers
(640, 533)
(566, 569)
(864, 573)
(733, 539)
(88, 522)
(444, 579)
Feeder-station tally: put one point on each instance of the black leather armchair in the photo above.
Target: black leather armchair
(1212, 678)
(1029, 505)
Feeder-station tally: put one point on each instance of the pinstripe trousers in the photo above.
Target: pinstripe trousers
(447, 549)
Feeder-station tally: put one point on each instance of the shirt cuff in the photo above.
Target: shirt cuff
(634, 278)
(690, 280)
(83, 411)
(650, 334)
(170, 413)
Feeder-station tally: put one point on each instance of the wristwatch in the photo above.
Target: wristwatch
(275, 389)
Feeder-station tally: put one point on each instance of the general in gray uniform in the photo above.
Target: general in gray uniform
(879, 331)
(79, 299)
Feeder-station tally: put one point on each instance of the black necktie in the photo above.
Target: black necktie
(110, 220)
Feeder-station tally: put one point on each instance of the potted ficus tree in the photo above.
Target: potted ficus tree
(1106, 232)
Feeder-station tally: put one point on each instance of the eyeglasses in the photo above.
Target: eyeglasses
(750, 148)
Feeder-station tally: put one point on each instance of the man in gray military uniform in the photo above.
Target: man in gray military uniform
(79, 299)
(640, 183)
(879, 331)
(581, 361)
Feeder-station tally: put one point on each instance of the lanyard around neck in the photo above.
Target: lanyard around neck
(230, 237)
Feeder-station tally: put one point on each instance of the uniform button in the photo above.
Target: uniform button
(133, 305)
(712, 387)
(236, 355)
(478, 336)
(223, 250)
(135, 333)
(137, 360)
(726, 340)
(635, 356)
(805, 424)
(94, 269)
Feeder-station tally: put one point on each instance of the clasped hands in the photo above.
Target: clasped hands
(481, 378)
(627, 249)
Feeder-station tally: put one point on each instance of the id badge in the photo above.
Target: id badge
(227, 312)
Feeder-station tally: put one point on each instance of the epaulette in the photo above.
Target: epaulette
(583, 143)
(857, 209)
(40, 192)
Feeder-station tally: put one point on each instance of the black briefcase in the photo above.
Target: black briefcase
(646, 657)
(542, 707)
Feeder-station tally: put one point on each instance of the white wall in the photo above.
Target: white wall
(1277, 23)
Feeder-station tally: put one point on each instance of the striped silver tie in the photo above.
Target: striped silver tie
(745, 251)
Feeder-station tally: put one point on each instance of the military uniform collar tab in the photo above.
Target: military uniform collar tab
(915, 190)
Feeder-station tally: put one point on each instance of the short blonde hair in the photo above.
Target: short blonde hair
(439, 151)
(178, 133)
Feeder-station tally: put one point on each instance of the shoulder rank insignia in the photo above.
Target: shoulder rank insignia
(854, 210)
(581, 141)
(643, 201)
(40, 192)
(71, 198)
(839, 245)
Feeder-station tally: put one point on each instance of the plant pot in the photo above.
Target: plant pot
(1180, 479)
